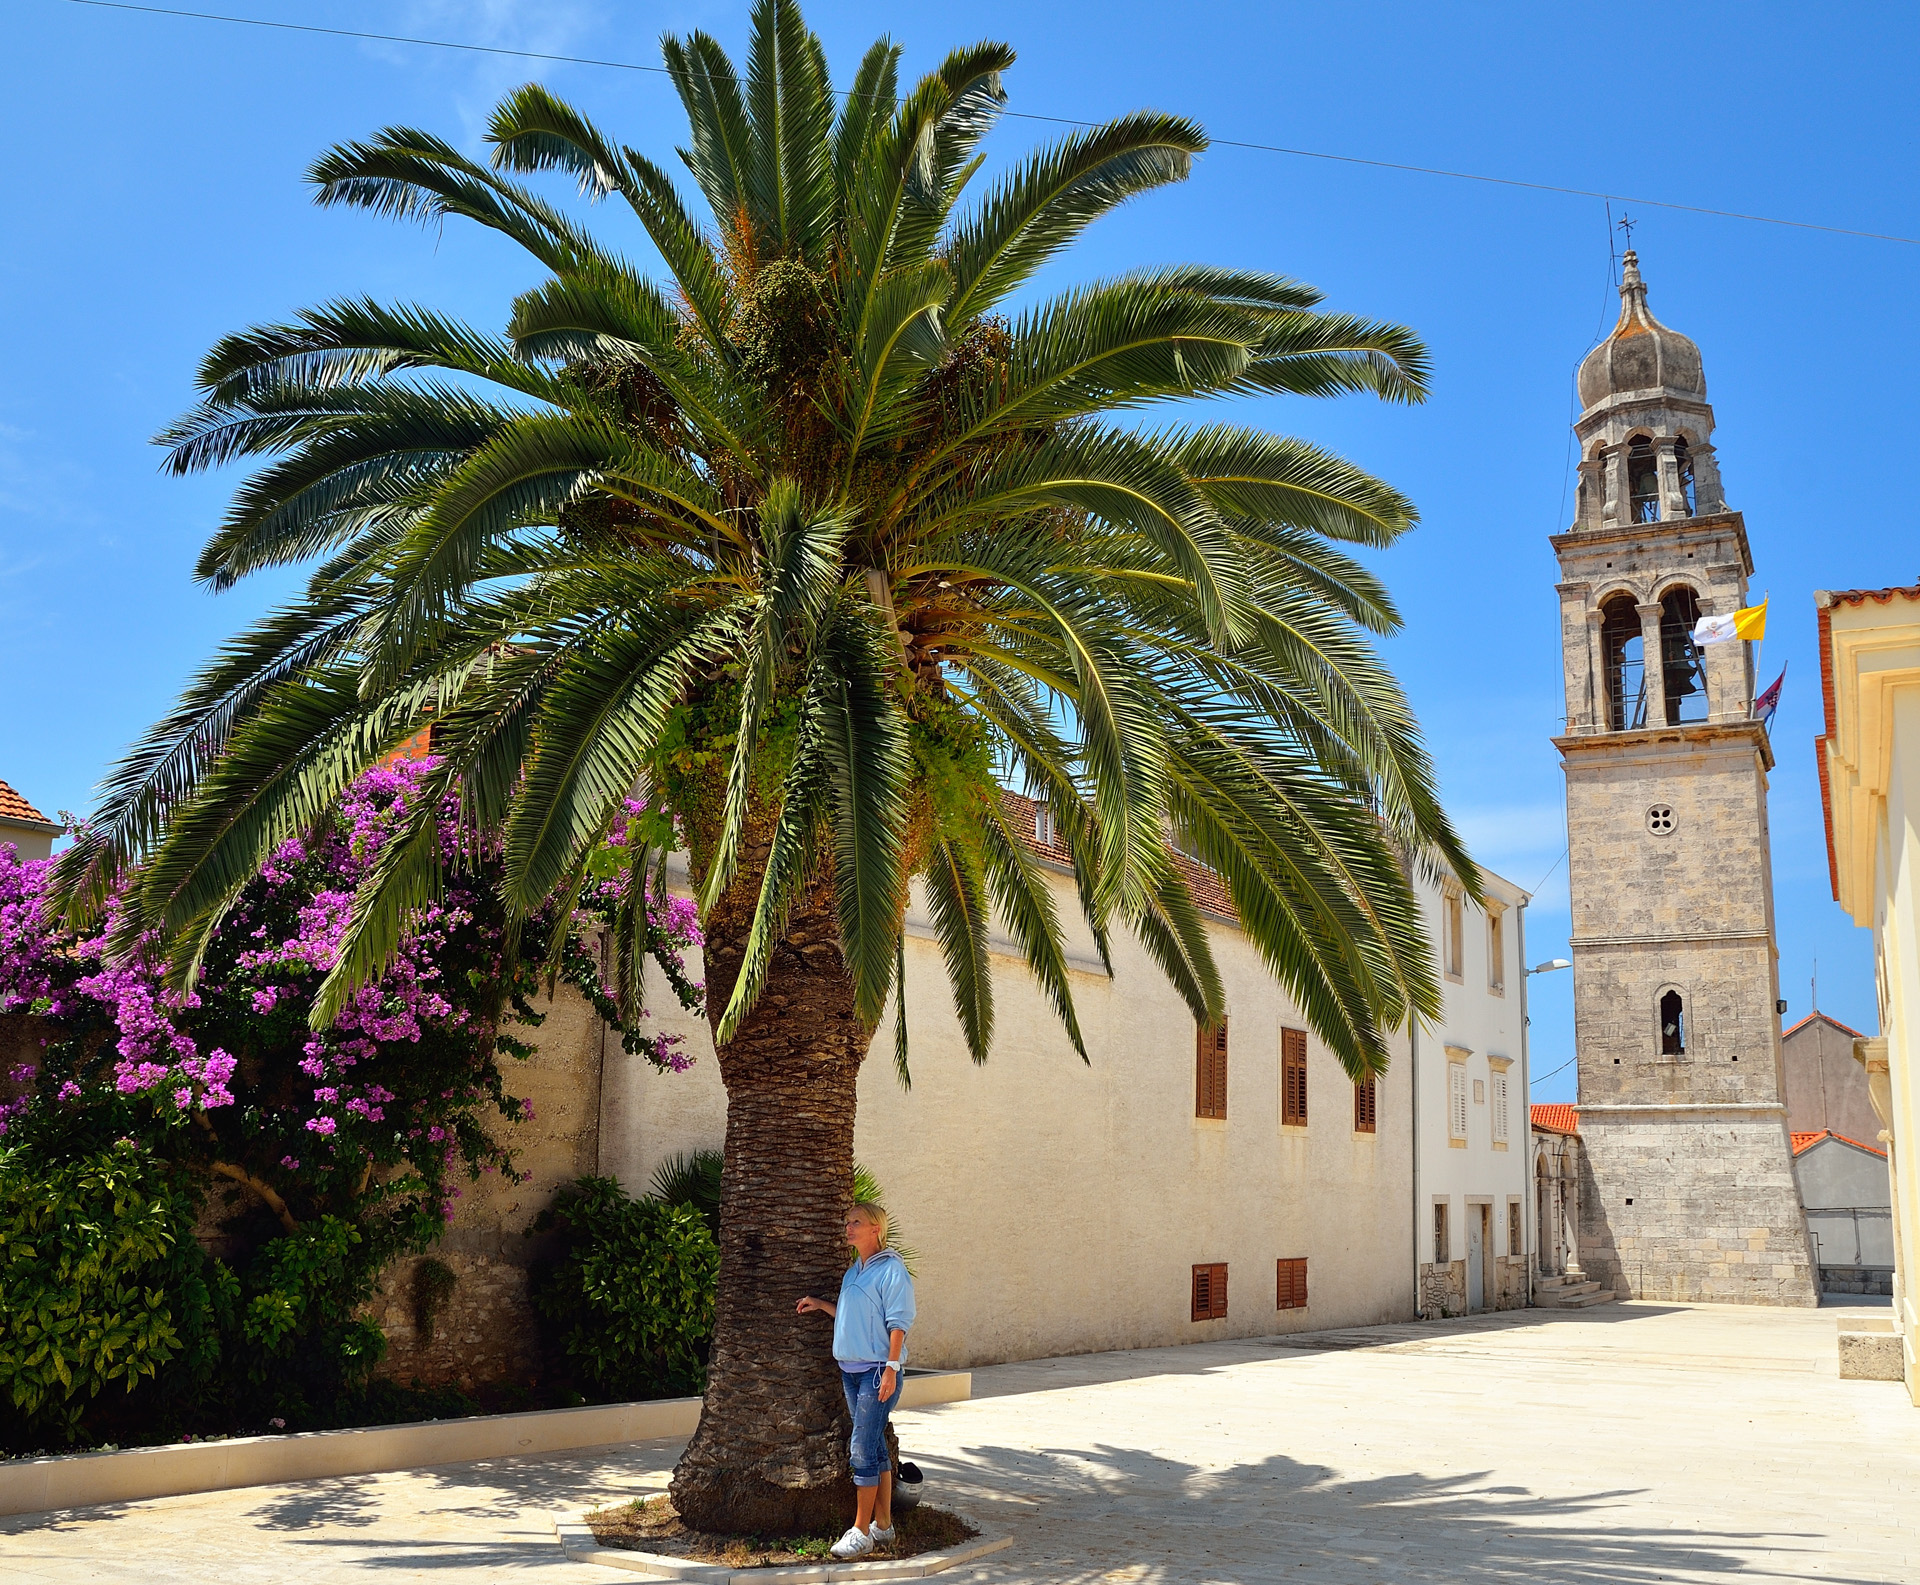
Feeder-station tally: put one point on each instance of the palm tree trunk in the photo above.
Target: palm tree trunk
(770, 1452)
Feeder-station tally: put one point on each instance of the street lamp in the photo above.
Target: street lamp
(1550, 965)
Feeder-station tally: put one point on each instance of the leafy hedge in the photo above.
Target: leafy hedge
(631, 1299)
(101, 1285)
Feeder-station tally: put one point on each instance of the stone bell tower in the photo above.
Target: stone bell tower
(1690, 1193)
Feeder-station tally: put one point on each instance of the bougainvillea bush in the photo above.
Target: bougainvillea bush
(329, 1153)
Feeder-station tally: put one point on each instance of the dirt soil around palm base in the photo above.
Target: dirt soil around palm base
(651, 1525)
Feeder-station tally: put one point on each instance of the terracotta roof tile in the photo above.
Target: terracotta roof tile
(1877, 596)
(1556, 1117)
(1844, 1028)
(1808, 1141)
(1209, 891)
(14, 807)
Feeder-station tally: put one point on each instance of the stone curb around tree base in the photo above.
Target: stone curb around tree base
(80, 1480)
(576, 1540)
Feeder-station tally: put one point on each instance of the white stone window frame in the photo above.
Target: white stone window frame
(1453, 935)
(1457, 1091)
(1500, 1100)
(1516, 1221)
(1496, 949)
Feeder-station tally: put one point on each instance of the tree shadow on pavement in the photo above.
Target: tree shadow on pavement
(1101, 1514)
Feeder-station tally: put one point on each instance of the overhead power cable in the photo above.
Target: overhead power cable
(1545, 1076)
(1023, 115)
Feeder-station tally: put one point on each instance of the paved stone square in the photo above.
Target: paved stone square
(1625, 1444)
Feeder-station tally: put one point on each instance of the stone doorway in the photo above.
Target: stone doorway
(1479, 1240)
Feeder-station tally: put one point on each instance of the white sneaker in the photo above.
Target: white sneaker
(855, 1543)
(881, 1536)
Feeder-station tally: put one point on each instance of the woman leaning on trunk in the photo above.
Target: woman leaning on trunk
(870, 1323)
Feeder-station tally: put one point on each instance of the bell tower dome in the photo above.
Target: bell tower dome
(1676, 1023)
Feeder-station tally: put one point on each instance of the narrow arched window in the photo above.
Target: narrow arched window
(1623, 655)
(1681, 672)
(1643, 480)
(1673, 1025)
(1683, 463)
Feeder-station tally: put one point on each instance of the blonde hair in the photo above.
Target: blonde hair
(875, 1213)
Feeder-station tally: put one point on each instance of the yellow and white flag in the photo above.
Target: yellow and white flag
(1749, 623)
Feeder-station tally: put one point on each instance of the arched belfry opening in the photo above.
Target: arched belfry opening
(1624, 649)
(1673, 1024)
(1643, 480)
(1682, 676)
(1683, 467)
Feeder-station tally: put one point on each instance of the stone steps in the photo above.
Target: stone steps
(1563, 1293)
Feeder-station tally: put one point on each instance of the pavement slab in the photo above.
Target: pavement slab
(1623, 1444)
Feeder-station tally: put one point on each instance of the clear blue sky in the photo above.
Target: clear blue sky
(157, 203)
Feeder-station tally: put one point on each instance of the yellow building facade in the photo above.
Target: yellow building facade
(1869, 760)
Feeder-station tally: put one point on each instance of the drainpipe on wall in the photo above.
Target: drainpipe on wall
(1413, 1038)
(1529, 1212)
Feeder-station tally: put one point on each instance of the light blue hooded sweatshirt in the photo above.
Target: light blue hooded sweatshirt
(876, 1298)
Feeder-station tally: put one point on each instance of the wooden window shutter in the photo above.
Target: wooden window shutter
(1290, 1285)
(1210, 1070)
(1210, 1292)
(1366, 1107)
(1293, 1077)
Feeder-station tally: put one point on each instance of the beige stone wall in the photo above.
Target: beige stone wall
(1691, 909)
(1058, 1206)
(1700, 1207)
(486, 1332)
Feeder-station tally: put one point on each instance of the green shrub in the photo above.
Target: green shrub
(630, 1300)
(302, 1352)
(101, 1285)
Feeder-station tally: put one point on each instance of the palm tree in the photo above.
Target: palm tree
(812, 551)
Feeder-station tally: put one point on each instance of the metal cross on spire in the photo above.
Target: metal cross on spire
(1626, 224)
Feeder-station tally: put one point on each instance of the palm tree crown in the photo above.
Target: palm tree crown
(816, 545)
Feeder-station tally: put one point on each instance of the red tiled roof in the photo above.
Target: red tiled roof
(1844, 1028)
(1209, 891)
(1808, 1141)
(1877, 596)
(14, 807)
(1556, 1117)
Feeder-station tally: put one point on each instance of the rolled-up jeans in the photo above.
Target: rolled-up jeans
(867, 1450)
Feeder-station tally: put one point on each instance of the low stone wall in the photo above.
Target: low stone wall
(34, 1485)
(1857, 1279)
(1509, 1282)
(1443, 1287)
(484, 1332)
